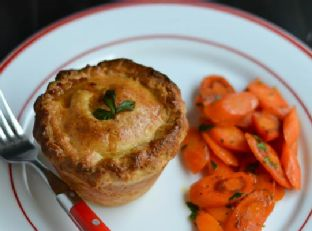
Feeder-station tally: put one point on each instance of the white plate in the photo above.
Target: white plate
(186, 42)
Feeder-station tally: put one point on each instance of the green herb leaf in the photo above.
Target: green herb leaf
(109, 100)
(205, 127)
(127, 105)
(258, 139)
(236, 195)
(102, 114)
(252, 167)
(217, 97)
(260, 144)
(214, 165)
(194, 210)
(268, 161)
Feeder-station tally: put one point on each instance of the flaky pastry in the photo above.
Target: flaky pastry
(116, 158)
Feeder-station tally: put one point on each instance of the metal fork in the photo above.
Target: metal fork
(15, 148)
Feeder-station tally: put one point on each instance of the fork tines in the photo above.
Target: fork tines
(9, 126)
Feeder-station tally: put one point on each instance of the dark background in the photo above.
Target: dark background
(21, 18)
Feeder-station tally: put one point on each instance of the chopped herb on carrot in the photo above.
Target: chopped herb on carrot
(262, 146)
(235, 195)
(268, 161)
(194, 210)
(214, 164)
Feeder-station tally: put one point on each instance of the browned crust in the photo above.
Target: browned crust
(129, 168)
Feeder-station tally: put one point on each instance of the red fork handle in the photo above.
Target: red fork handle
(81, 214)
(86, 219)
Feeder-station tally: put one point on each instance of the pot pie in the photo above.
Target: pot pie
(109, 130)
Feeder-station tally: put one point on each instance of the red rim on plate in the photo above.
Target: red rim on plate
(91, 11)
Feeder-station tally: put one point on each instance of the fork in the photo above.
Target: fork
(16, 148)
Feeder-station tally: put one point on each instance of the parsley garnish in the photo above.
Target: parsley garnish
(102, 114)
(205, 127)
(109, 100)
(236, 195)
(214, 164)
(260, 144)
(127, 105)
(194, 210)
(268, 161)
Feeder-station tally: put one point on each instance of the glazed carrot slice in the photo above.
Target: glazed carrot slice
(269, 97)
(194, 151)
(246, 121)
(205, 222)
(291, 126)
(229, 137)
(213, 87)
(265, 182)
(268, 158)
(223, 154)
(219, 213)
(291, 165)
(220, 190)
(266, 124)
(231, 109)
(279, 192)
(217, 166)
(251, 213)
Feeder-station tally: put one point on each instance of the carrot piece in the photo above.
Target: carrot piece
(266, 124)
(265, 182)
(213, 87)
(219, 213)
(291, 165)
(277, 144)
(279, 192)
(229, 137)
(199, 101)
(226, 156)
(291, 126)
(205, 222)
(194, 151)
(246, 121)
(217, 166)
(251, 212)
(220, 190)
(269, 97)
(268, 158)
(231, 109)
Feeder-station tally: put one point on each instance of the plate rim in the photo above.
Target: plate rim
(301, 46)
(106, 7)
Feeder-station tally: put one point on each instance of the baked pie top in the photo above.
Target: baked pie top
(125, 144)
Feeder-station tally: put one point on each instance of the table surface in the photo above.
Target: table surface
(20, 19)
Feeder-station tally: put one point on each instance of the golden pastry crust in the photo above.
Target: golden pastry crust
(110, 161)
